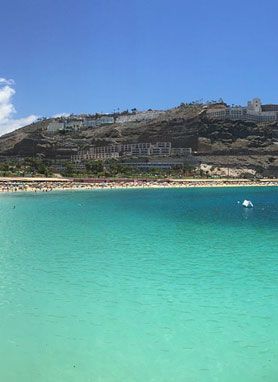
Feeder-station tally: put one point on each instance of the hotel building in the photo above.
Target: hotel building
(158, 149)
(253, 112)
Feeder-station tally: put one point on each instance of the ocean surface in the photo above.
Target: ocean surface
(176, 285)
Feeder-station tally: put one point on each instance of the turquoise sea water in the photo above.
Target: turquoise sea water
(139, 285)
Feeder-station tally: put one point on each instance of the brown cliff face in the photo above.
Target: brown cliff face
(185, 126)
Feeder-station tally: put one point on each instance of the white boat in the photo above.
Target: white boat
(247, 204)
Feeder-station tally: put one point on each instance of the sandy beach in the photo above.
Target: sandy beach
(63, 184)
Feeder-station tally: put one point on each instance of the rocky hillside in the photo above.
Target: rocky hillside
(184, 126)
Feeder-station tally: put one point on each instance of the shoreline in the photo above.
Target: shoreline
(15, 185)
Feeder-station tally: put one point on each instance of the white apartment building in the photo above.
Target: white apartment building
(255, 104)
(162, 149)
(104, 120)
(89, 123)
(78, 124)
(236, 113)
(140, 116)
(260, 117)
(74, 125)
(254, 112)
(53, 127)
(233, 113)
(101, 156)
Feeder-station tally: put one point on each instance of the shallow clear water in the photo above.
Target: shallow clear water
(139, 285)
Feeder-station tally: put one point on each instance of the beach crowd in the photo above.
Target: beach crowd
(48, 184)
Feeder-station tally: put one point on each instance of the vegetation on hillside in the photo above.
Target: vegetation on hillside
(115, 169)
(110, 168)
(27, 167)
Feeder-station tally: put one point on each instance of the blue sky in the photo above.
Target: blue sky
(78, 56)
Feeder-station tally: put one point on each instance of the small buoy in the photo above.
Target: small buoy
(247, 204)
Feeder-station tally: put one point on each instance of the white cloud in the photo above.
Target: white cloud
(4, 81)
(8, 122)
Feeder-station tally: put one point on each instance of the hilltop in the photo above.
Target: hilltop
(213, 141)
(128, 128)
